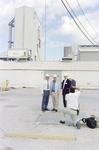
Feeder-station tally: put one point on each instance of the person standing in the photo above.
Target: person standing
(55, 89)
(66, 84)
(45, 93)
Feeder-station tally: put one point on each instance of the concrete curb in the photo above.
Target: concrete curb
(41, 135)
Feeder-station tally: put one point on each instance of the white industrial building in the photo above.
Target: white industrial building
(26, 44)
(24, 36)
(32, 73)
(88, 53)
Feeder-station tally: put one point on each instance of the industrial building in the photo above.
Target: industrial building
(24, 36)
(88, 53)
(26, 45)
(32, 73)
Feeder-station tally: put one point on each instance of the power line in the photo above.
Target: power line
(86, 18)
(76, 22)
(80, 22)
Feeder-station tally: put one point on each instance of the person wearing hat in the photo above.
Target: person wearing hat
(66, 84)
(55, 89)
(45, 93)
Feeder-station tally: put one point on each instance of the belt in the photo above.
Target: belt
(73, 109)
(53, 91)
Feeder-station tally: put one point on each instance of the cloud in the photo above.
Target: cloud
(7, 10)
(83, 3)
(56, 44)
(55, 8)
(69, 28)
(59, 24)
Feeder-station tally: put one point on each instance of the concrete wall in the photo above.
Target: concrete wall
(85, 79)
(33, 78)
(20, 78)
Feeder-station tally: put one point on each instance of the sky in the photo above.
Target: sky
(61, 30)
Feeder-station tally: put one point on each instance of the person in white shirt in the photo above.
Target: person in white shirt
(45, 93)
(72, 105)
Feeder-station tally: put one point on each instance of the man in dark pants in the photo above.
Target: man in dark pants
(66, 84)
(45, 93)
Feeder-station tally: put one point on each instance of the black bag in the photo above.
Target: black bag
(91, 122)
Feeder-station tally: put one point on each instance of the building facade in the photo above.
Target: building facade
(28, 74)
(28, 31)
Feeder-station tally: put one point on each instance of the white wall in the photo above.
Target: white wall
(18, 34)
(20, 78)
(84, 79)
(33, 78)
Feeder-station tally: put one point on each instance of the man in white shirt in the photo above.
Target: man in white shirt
(45, 93)
(72, 105)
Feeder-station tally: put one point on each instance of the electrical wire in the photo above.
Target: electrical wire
(80, 22)
(86, 18)
(76, 22)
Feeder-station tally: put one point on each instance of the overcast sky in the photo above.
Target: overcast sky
(61, 29)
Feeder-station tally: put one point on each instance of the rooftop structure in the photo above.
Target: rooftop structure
(88, 53)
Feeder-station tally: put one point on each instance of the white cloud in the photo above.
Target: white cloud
(7, 10)
(55, 10)
(83, 3)
(69, 28)
(56, 44)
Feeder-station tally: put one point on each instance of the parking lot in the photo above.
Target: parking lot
(20, 111)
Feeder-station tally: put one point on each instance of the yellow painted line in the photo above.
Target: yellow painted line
(41, 135)
(17, 116)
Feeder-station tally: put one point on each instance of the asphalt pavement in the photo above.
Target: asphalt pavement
(20, 110)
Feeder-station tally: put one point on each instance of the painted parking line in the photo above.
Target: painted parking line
(41, 135)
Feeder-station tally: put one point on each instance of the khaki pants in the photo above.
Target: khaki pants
(55, 100)
(72, 113)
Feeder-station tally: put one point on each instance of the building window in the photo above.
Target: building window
(39, 43)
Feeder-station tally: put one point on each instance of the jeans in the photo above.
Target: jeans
(64, 101)
(45, 99)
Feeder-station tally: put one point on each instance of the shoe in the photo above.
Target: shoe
(56, 110)
(53, 110)
(63, 122)
(47, 110)
(78, 125)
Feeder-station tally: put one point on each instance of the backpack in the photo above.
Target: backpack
(90, 122)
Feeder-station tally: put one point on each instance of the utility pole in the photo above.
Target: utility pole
(45, 33)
